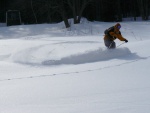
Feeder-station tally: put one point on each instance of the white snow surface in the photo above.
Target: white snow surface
(46, 68)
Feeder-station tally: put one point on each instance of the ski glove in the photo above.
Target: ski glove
(126, 41)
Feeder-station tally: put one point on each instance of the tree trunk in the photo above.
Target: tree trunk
(143, 6)
(77, 8)
(33, 12)
(119, 11)
(63, 13)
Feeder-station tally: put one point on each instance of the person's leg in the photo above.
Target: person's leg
(113, 45)
(110, 44)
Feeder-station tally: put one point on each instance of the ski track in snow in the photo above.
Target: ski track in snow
(77, 72)
(29, 56)
(106, 53)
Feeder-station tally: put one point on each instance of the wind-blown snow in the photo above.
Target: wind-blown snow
(46, 68)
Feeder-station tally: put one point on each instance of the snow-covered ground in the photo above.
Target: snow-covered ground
(48, 69)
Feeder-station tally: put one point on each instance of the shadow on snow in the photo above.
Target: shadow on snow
(95, 56)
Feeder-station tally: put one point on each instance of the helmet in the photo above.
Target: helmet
(118, 26)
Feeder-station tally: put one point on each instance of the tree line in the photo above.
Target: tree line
(50, 11)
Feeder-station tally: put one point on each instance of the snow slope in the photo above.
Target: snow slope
(48, 69)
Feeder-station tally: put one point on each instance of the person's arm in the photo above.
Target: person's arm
(119, 36)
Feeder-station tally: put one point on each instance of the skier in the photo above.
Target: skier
(111, 34)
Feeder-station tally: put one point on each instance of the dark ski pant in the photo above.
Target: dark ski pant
(110, 44)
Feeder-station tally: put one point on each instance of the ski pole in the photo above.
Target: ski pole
(110, 45)
(120, 44)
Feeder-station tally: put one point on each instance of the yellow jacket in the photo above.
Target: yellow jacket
(115, 34)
